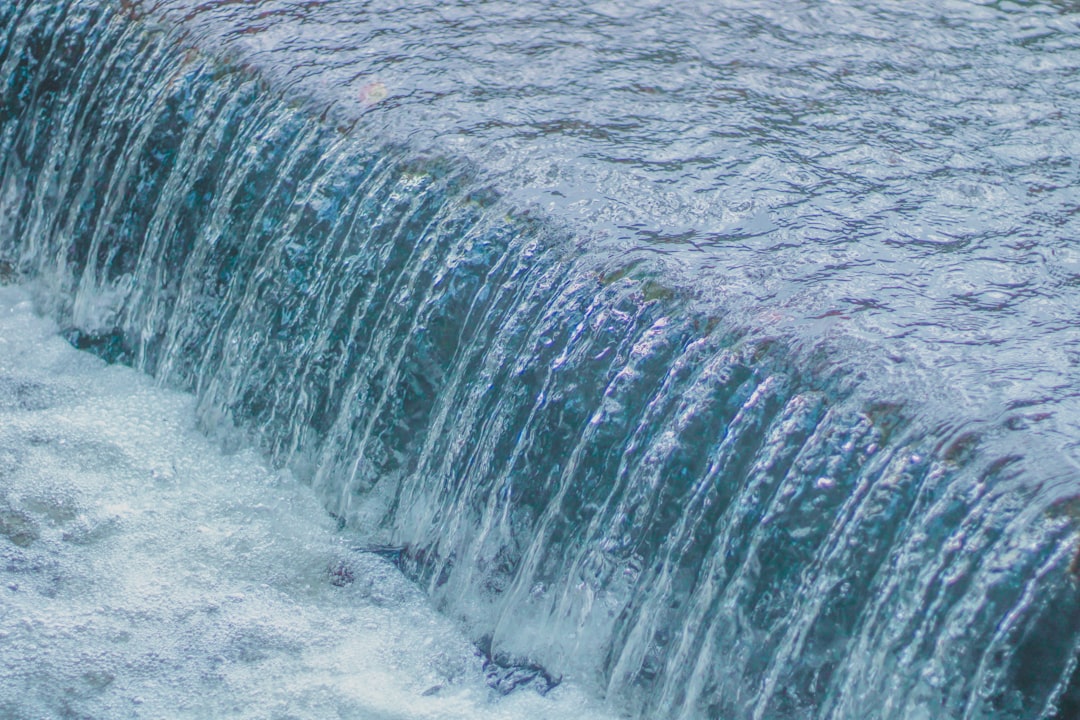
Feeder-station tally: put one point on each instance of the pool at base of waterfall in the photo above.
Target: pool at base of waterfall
(145, 573)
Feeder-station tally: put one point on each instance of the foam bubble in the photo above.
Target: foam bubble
(144, 573)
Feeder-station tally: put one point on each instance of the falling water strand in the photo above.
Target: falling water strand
(592, 471)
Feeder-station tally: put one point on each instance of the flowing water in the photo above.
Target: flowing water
(145, 574)
(718, 359)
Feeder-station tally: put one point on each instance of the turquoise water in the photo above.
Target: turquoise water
(715, 359)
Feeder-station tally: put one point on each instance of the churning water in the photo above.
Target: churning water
(145, 574)
(717, 358)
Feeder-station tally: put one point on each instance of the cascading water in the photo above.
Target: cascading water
(599, 471)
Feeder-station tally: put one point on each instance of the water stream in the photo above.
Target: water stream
(774, 474)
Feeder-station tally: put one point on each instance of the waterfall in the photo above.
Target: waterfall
(592, 468)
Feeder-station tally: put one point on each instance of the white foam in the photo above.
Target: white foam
(143, 573)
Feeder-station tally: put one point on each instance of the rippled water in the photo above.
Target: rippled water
(748, 391)
(899, 175)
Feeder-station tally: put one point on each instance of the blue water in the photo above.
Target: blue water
(893, 180)
(146, 574)
(895, 174)
(719, 357)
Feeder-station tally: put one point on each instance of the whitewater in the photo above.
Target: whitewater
(147, 574)
(719, 360)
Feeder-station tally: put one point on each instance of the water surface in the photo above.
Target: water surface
(894, 175)
(717, 359)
